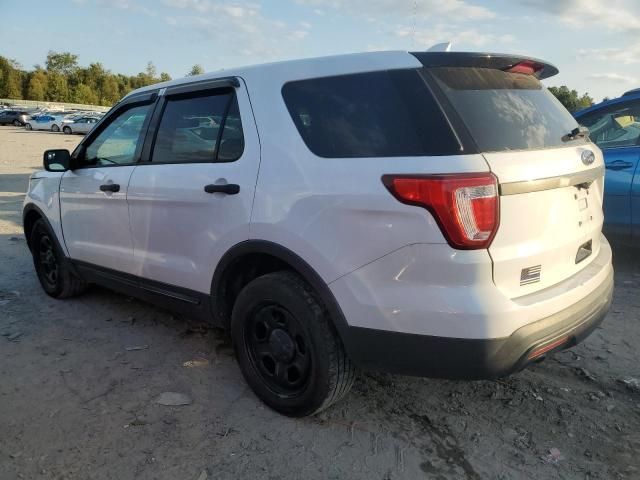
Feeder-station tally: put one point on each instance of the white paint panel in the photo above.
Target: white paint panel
(96, 223)
(544, 228)
(435, 290)
(180, 232)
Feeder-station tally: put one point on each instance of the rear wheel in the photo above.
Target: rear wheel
(17, 123)
(287, 347)
(55, 128)
(67, 130)
(55, 275)
(28, 126)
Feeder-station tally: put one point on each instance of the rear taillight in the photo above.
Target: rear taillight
(465, 205)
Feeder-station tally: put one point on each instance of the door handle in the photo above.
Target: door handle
(618, 165)
(110, 187)
(228, 188)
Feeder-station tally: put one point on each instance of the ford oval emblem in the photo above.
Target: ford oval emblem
(588, 157)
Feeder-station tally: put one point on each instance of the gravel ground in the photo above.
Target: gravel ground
(80, 380)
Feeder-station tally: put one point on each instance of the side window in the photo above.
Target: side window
(193, 129)
(617, 126)
(378, 114)
(117, 143)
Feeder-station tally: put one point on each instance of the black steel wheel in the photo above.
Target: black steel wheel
(48, 261)
(287, 347)
(53, 269)
(277, 346)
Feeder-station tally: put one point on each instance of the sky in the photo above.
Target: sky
(594, 43)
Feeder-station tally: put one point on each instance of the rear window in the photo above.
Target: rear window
(505, 111)
(378, 114)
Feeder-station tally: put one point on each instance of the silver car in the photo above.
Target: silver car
(80, 125)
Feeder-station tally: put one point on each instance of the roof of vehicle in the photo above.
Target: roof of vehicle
(626, 97)
(289, 70)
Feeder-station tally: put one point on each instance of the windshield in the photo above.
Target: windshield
(505, 111)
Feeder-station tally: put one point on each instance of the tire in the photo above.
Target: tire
(287, 347)
(28, 126)
(53, 270)
(16, 123)
(66, 130)
(55, 128)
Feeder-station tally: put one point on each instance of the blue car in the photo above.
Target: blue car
(614, 125)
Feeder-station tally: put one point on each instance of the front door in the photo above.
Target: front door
(191, 200)
(93, 196)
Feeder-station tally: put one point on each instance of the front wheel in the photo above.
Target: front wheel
(16, 123)
(67, 130)
(28, 126)
(55, 128)
(53, 271)
(287, 347)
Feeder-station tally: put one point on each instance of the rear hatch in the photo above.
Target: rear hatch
(550, 176)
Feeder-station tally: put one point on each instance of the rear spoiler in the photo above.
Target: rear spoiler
(498, 61)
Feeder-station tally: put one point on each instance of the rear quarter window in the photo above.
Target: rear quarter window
(378, 114)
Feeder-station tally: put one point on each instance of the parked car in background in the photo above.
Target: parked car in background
(44, 122)
(80, 125)
(428, 213)
(614, 126)
(14, 117)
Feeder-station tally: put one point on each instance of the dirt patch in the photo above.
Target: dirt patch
(81, 379)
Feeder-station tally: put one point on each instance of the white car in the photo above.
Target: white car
(432, 214)
(79, 125)
(44, 121)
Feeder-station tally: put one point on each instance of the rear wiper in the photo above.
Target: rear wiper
(578, 132)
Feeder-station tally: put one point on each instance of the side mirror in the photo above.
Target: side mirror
(57, 160)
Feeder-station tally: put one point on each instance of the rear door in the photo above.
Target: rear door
(191, 200)
(93, 196)
(616, 130)
(550, 183)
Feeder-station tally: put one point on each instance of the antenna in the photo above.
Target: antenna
(440, 47)
(413, 23)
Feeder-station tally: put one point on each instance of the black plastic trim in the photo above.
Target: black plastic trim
(30, 207)
(179, 299)
(499, 61)
(203, 85)
(287, 256)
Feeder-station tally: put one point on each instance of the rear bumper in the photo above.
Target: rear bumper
(462, 358)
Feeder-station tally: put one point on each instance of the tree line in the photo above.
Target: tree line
(62, 79)
(571, 99)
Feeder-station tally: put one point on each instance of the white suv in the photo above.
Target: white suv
(433, 214)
